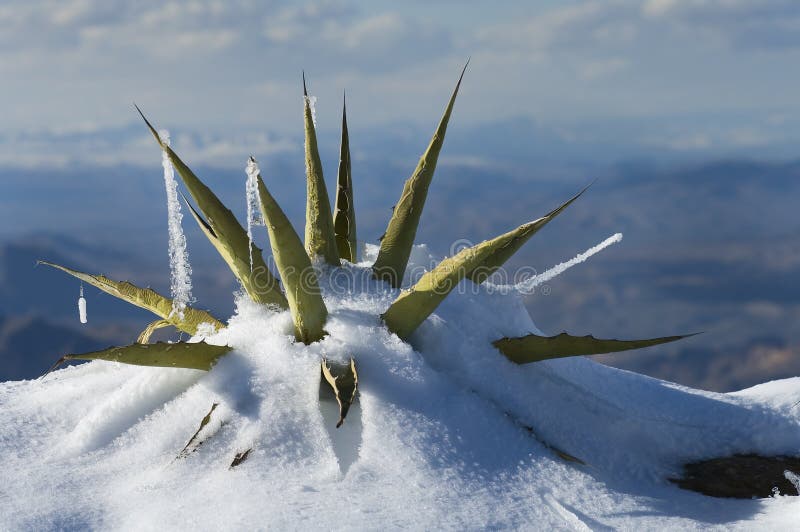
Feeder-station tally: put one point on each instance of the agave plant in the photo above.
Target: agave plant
(330, 239)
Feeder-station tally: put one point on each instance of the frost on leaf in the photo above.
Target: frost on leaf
(254, 217)
(180, 270)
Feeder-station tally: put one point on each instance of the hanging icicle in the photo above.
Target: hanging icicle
(82, 307)
(254, 217)
(180, 270)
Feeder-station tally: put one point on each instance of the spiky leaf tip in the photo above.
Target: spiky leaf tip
(515, 240)
(534, 348)
(398, 239)
(344, 216)
(320, 239)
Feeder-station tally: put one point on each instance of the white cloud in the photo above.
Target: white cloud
(230, 66)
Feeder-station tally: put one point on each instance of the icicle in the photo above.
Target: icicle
(180, 270)
(528, 286)
(82, 307)
(253, 209)
(312, 104)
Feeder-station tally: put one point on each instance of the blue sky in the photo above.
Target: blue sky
(702, 77)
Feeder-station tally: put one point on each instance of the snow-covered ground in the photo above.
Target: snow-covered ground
(436, 440)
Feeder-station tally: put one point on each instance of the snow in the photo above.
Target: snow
(793, 478)
(254, 217)
(528, 286)
(312, 104)
(180, 270)
(436, 440)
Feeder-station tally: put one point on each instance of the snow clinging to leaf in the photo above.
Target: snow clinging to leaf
(312, 104)
(180, 269)
(254, 217)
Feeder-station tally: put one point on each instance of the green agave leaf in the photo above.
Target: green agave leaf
(198, 355)
(413, 306)
(320, 236)
(144, 336)
(533, 348)
(227, 235)
(147, 299)
(344, 215)
(193, 442)
(343, 380)
(514, 241)
(398, 240)
(299, 279)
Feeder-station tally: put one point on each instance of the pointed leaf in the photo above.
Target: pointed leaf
(144, 336)
(320, 237)
(147, 299)
(516, 239)
(193, 442)
(398, 239)
(299, 279)
(413, 306)
(198, 355)
(533, 348)
(343, 380)
(227, 235)
(344, 215)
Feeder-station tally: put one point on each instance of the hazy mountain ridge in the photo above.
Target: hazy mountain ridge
(707, 247)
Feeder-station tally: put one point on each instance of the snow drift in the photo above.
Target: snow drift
(439, 436)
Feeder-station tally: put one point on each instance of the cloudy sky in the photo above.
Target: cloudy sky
(693, 76)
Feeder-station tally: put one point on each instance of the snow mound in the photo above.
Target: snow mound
(440, 437)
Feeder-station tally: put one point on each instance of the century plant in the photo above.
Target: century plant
(330, 238)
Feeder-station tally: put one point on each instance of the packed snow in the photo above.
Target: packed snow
(180, 270)
(437, 439)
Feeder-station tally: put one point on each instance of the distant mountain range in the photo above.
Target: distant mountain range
(708, 247)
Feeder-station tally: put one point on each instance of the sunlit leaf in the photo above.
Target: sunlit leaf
(414, 305)
(343, 380)
(299, 278)
(515, 240)
(533, 348)
(147, 299)
(320, 237)
(144, 336)
(344, 215)
(398, 239)
(198, 355)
